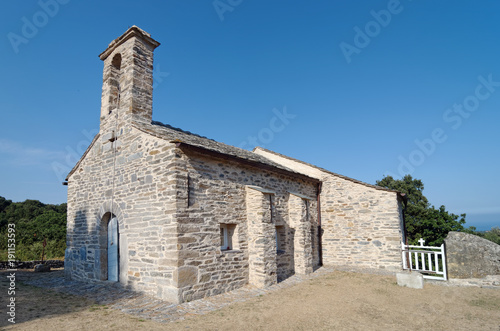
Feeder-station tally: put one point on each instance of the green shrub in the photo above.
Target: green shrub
(34, 221)
(493, 235)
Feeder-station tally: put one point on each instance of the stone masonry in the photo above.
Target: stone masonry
(197, 217)
(172, 193)
(262, 255)
(361, 223)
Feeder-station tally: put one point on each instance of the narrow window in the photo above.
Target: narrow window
(276, 235)
(280, 239)
(115, 91)
(223, 237)
(227, 232)
(117, 61)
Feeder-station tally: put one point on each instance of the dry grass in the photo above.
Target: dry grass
(337, 301)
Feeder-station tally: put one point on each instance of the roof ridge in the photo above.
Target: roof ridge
(180, 130)
(327, 171)
(155, 128)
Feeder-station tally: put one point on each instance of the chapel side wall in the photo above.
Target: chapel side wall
(216, 194)
(144, 201)
(362, 226)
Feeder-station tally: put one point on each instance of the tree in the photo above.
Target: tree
(4, 203)
(423, 220)
(493, 235)
(33, 221)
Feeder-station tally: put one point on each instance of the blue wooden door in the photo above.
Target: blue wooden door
(113, 250)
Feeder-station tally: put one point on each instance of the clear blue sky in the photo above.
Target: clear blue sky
(376, 87)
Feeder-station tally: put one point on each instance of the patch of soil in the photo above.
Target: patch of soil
(335, 301)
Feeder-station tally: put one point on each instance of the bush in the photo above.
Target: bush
(34, 221)
(493, 235)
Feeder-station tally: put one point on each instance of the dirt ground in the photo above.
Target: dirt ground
(336, 301)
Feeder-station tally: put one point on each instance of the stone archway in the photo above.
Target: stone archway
(110, 261)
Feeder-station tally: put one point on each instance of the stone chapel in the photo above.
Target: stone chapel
(161, 210)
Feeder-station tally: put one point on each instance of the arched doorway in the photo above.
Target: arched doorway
(113, 250)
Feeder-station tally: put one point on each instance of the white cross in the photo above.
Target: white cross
(421, 241)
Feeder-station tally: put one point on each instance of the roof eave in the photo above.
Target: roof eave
(251, 163)
(133, 31)
(83, 156)
(376, 187)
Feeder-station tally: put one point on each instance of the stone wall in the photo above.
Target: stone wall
(361, 223)
(138, 188)
(170, 204)
(255, 202)
(470, 256)
(262, 257)
(127, 174)
(30, 264)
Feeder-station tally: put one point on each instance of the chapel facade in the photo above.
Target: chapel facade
(164, 211)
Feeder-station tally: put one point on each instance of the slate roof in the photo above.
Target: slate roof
(176, 135)
(182, 137)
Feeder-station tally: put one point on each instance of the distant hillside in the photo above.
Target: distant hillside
(33, 221)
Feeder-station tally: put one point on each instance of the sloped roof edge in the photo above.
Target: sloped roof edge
(210, 146)
(331, 173)
(83, 156)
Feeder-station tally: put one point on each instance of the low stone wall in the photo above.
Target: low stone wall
(31, 264)
(470, 256)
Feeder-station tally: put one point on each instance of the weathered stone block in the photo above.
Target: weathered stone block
(42, 268)
(470, 256)
(186, 276)
(83, 253)
(410, 279)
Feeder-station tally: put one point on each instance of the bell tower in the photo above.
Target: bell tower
(127, 88)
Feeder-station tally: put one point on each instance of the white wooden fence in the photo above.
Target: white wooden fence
(430, 261)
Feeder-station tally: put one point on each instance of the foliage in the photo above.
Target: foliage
(33, 222)
(492, 235)
(423, 220)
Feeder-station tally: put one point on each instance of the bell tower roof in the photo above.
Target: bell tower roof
(133, 31)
